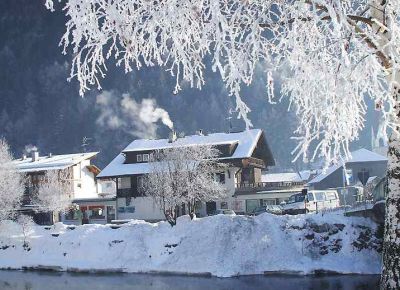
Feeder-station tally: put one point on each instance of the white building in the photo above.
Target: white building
(246, 153)
(81, 173)
(78, 165)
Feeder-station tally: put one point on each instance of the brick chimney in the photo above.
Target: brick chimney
(172, 137)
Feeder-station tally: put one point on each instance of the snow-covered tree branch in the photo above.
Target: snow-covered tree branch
(183, 176)
(331, 54)
(54, 193)
(11, 183)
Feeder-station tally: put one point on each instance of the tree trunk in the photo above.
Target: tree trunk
(391, 246)
(192, 209)
(170, 216)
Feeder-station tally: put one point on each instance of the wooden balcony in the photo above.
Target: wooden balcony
(243, 188)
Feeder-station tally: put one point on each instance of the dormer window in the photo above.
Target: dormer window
(145, 157)
(139, 158)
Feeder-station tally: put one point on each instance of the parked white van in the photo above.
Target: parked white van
(313, 200)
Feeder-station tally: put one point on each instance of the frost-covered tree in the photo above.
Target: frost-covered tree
(54, 192)
(26, 223)
(11, 183)
(183, 176)
(332, 54)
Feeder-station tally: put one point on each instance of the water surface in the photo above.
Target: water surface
(17, 280)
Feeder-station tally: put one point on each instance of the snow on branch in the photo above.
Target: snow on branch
(331, 54)
(11, 183)
(184, 175)
(55, 191)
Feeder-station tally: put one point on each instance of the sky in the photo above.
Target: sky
(39, 107)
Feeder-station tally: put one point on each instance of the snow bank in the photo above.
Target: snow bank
(219, 245)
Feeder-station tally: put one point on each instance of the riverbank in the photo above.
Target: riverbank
(222, 246)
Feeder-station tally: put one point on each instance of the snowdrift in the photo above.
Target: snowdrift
(220, 245)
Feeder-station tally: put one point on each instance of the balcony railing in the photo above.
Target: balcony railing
(245, 186)
(128, 192)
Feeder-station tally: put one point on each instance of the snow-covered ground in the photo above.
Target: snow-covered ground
(220, 245)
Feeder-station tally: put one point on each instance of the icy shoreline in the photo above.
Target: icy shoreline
(221, 246)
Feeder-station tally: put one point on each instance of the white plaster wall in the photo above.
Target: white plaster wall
(86, 179)
(108, 187)
(230, 184)
(145, 209)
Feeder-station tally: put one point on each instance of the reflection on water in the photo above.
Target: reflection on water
(66, 281)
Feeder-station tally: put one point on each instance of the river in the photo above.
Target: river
(17, 280)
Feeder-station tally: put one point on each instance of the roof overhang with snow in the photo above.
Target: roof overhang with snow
(54, 162)
(282, 177)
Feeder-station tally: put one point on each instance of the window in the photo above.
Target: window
(151, 157)
(237, 205)
(330, 195)
(145, 157)
(265, 202)
(252, 204)
(130, 209)
(224, 205)
(97, 213)
(198, 205)
(310, 196)
(297, 198)
(124, 182)
(220, 177)
(139, 158)
(320, 196)
(71, 214)
(139, 182)
(121, 209)
(246, 175)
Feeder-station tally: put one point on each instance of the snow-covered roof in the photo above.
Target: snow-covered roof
(358, 156)
(325, 174)
(246, 140)
(364, 155)
(53, 162)
(281, 177)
